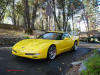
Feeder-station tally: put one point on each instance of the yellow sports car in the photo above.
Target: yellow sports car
(47, 45)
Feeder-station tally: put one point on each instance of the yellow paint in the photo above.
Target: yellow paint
(40, 46)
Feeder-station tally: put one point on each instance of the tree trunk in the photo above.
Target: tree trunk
(13, 13)
(18, 20)
(46, 24)
(88, 28)
(66, 25)
(55, 18)
(25, 22)
(26, 17)
(64, 17)
(73, 23)
(42, 25)
(34, 15)
(2, 17)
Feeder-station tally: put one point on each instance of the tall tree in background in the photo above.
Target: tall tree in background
(27, 17)
(69, 8)
(72, 8)
(13, 12)
(35, 7)
(36, 4)
(55, 17)
(3, 6)
(29, 9)
(64, 17)
(89, 13)
(19, 12)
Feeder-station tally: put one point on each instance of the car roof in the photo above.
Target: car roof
(56, 31)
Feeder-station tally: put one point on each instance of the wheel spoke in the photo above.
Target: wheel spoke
(52, 52)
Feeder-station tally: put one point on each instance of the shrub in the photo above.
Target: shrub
(26, 37)
(93, 65)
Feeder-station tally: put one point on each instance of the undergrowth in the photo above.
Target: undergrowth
(92, 64)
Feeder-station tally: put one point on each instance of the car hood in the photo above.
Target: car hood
(32, 44)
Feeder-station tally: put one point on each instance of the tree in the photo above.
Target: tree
(27, 17)
(68, 28)
(19, 13)
(3, 5)
(35, 7)
(28, 9)
(64, 17)
(71, 7)
(89, 12)
(13, 12)
(55, 17)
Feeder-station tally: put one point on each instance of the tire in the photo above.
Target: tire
(51, 52)
(75, 47)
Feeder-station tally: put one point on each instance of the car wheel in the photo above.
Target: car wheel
(52, 52)
(75, 47)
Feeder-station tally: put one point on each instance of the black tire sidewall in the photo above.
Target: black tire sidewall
(73, 49)
(48, 52)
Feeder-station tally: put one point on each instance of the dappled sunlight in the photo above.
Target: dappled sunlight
(43, 37)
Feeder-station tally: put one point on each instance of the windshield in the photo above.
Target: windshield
(51, 36)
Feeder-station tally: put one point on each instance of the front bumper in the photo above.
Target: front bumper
(28, 55)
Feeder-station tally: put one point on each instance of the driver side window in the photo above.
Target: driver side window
(65, 35)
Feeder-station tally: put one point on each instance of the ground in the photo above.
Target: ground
(59, 66)
(10, 33)
(9, 64)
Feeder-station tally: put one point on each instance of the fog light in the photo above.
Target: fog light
(37, 54)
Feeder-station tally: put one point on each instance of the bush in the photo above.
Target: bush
(93, 65)
(26, 37)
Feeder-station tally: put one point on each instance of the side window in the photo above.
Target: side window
(65, 35)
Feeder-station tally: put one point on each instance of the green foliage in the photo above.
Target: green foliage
(90, 12)
(93, 65)
(72, 6)
(26, 37)
(3, 3)
(3, 7)
(19, 8)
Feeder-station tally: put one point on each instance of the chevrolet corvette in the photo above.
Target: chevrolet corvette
(48, 45)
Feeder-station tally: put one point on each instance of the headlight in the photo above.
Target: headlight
(14, 51)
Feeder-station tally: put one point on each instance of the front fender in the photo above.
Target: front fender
(45, 50)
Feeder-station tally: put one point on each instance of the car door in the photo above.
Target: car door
(67, 42)
(64, 44)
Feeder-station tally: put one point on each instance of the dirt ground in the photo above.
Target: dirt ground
(11, 33)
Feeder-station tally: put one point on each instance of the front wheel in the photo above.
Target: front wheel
(75, 47)
(52, 52)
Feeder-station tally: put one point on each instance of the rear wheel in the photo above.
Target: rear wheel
(75, 47)
(52, 52)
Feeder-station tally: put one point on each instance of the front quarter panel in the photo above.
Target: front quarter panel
(75, 38)
(41, 48)
(44, 49)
